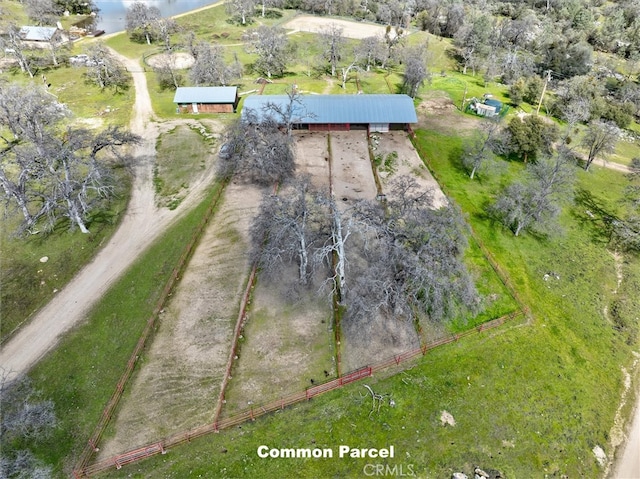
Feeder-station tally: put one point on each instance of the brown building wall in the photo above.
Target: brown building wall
(207, 108)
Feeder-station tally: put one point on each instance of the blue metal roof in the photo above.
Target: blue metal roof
(323, 109)
(209, 94)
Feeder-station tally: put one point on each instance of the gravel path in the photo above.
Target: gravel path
(143, 223)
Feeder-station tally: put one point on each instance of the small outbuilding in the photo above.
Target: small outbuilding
(213, 99)
(31, 33)
(340, 112)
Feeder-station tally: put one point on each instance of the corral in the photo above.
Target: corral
(284, 346)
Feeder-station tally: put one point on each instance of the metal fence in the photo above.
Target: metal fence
(161, 446)
(92, 443)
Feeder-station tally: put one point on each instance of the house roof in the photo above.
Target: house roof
(37, 34)
(210, 94)
(323, 109)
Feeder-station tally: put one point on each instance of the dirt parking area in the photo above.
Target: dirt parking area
(358, 30)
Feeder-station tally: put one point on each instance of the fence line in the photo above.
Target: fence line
(92, 444)
(160, 447)
(242, 315)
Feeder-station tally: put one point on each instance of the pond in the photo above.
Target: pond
(111, 17)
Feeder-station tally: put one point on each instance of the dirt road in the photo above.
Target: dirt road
(143, 222)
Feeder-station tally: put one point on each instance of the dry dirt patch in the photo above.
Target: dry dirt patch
(408, 163)
(437, 112)
(178, 383)
(358, 30)
(179, 60)
(351, 171)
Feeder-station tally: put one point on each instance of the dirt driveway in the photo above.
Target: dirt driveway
(142, 224)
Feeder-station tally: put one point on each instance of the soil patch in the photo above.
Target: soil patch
(179, 60)
(180, 377)
(352, 176)
(358, 30)
(408, 163)
(437, 112)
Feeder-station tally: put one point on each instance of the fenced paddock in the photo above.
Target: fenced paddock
(252, 413)
(179, 380)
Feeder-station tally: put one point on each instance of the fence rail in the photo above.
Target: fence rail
(92, 444)
(160, 447)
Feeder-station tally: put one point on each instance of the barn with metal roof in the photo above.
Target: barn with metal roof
(339, 112)
(213, 99)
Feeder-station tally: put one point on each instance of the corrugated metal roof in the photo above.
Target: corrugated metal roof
(37, 34)
(209, 94)
(323, 109)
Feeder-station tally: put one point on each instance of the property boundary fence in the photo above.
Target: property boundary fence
(161, 447)
(504, 277)
(92, 443)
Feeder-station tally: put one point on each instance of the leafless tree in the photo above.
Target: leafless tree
(332, 43)
(104, 69)
(600, 139)
(534, 202)
(479, 152)
(141, 20)
(26, 418)
(371, 51)
(256, 150)
(242, 9)
(47, 171)
(210, 68)
(415, 69)
(167, 74)
(271, 46)
(287, 230)
(42, 12)
(163, 28)
(290, 112)
(346, 69)
(12, 44)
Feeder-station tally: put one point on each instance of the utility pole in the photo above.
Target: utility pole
(544, 89)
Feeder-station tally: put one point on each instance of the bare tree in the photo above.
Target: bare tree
(479, 151)
(332, 43)
(354, 65)
(242, 9)
(13, 45)
(210, 67)
(415, 70)
(412, 259)
(600, 140)
(534, 202)
(42, 12)
(141, 20)
(26, 418)
(287, 229)
(257, 151)
(104, 69)
(163, 28)
(290, 112)
(271, 46)
(50, 172)
(167, 74)
(371, 51)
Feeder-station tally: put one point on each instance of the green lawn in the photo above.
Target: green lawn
(172, 178)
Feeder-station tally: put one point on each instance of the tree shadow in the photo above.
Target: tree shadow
(592, 213)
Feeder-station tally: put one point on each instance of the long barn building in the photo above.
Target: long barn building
(338, 112)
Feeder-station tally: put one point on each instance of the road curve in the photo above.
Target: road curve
(142, 223)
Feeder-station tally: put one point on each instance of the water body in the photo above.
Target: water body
(111, 17)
